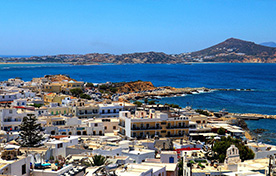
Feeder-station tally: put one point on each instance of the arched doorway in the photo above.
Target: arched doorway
(78, 132)
(84, 133)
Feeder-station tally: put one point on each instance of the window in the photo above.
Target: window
(105, 127)
(23, 169)
(96, 124)
(10, 111)
(59, 145)
(171, 159)
(114, 127)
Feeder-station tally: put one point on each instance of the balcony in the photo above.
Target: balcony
(120, 133)
(146, 128)
(12, 120)
(177, 127)
(121, 125)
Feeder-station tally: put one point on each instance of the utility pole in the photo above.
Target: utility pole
(270, 165)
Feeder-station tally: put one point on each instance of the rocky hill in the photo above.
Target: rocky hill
(96, 58)
(231, 50)
(235, 50)
(136, 86)
(57, 78)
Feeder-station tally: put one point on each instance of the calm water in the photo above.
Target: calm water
(260, 77)
(268, 136)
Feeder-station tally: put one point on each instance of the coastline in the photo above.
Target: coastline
(25, 63)
(184, 63)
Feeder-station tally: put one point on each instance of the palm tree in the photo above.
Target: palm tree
(98, 160)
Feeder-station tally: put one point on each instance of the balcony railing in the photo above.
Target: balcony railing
(122, 125)
(11, 120)
(121, 133)
(146, 128)
(177, 127)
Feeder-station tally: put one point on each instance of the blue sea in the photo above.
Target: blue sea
(259, 77)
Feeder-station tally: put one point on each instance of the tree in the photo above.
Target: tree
(138, 103)
(220, 148)
(180, 167)
(146, 101)
(76, 92)
(99, 160)
(221, 131)
(30, 132)
(113, 90)
(85, 96)
(152, 102)
(91, 85)
(200, 111)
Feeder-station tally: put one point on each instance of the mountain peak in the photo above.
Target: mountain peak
(236, 50)
(232, 39)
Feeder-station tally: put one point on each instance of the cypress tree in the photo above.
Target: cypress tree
(30, 132)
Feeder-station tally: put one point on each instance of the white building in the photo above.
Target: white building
(139, 155)
(110, 110)
(168, 157)
(19, 167)
(142, 170)
(11, 118)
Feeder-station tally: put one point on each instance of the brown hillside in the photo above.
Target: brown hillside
(57, 78)
(136, 86)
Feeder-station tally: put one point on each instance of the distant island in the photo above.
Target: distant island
(230, 51)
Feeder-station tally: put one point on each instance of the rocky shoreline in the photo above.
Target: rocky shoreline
(163, 92)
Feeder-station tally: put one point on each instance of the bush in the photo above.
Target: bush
(36, 105)
(113, 89)
(89, 85)
(103, 87)
(200, 111)
(85, 96)
(152, 102)
(138, 103)
(221, 131)
(76, 92)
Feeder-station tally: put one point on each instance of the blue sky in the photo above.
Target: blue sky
(40, 27)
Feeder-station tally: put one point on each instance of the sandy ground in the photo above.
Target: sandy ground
(248, 136)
